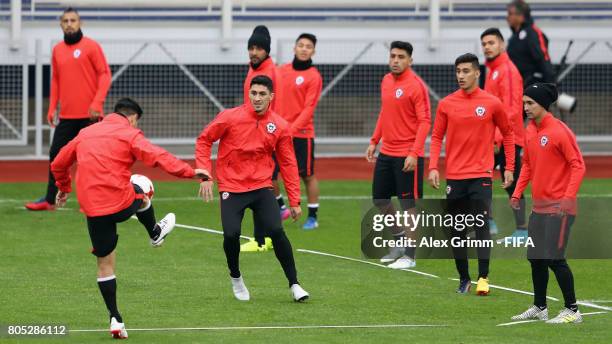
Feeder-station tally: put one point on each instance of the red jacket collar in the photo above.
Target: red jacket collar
(116, 118)
(267, 63)
(547, 120)
(470, 95)
(248, 108)
(498, 61)
(404, 76)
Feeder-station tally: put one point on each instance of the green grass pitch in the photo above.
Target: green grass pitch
(48, 277)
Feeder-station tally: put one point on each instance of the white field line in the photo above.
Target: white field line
(201, 229)
(60, 209)
(598, 301)
(362, 261)
(243, 328)
(530, 321)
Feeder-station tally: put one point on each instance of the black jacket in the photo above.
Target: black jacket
(528, 49)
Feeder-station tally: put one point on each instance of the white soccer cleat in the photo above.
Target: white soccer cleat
(404, 262)
(534, 312)
(299, 294)
(566, 316)
(394, 253)
(166, 225)
(240, 290)
(117, 329)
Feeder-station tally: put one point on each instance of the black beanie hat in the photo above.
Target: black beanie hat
(260, 38)
(543, 93)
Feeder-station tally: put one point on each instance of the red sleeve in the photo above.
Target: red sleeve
(60, 167)
(104, 78)
(525, 175)
(313, 94)
(154, 156)
(437, 136)
(500, 118)
(54, 97)
(211, 133)
(377, 135)
(571, 152)
(423, 114)
(288, 167)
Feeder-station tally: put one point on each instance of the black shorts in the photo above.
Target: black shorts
(500, 160)
(103, 229)
(549, 233)
(469, 196)
(304, 154)
(263, 204)
(389, 179)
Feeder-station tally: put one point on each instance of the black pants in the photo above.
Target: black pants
(550, 234)
(265, 213)
(500, 159)
(103, 229)
(66, 130)
(470, 196)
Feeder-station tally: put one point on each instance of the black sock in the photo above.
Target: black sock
(539, 277)
(281, 203)
(519, 215)
(462, 268)
(483, 268)
(147, 218)
(565, 278)
(312, 209)
(284, 254)
(231, 246)
(108, 289)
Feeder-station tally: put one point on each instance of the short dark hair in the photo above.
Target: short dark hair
(402, 45)
(468, 58)
(309, 37)
(128, 107)
(70, 10)
(521, 7)
(493, 31)
(264, 81)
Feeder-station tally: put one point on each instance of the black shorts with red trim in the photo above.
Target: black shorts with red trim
(389, 179)
(304, 154)
(550, 234)
(103, 229)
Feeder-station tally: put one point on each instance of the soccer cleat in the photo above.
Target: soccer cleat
(117, 329)
(404, 262)
(311, 223)
(40, 205)
(493, 230)
(394, 253)
(285, 214)
(519, 233)
(566, 316)
(464, 286)
(253, 246)
(482, 287)
(534, 312)
(166, 225)
(299, 294)
(240, 290)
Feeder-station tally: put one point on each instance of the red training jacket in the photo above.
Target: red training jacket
(405, 115)
(469, 121)
(267, 68)
(105, 152)
(80, 79)
(505, 82)
(553, 163)
(247, 142)
(297, 95)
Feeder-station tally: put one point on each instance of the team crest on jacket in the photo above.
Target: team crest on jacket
(480, 111)
(398, 93)
(448, 189)
(271, 127)
(495, 75)
(76, 53)
(543, 140)
(299, 80)
(225, 195)
(522, 35)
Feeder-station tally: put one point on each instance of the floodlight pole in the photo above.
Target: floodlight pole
(15, 24)
(226, 25)
(434, 24)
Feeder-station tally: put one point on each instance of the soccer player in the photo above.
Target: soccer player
(300, 84)
(403, 124)
(505, 82)
(105, 152)
(248, 136)
(80, 80)
(528, 45)
(468, 118)
(553, 164)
